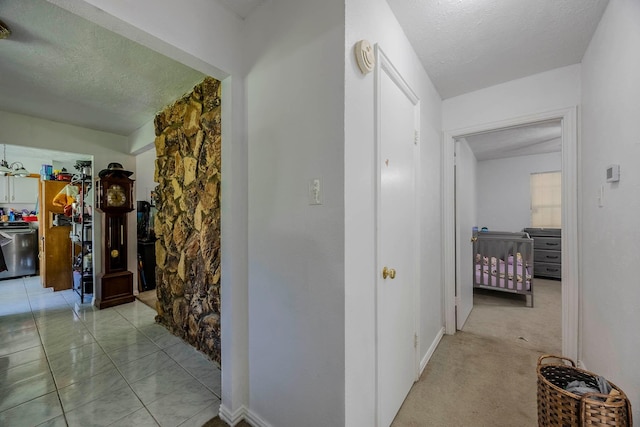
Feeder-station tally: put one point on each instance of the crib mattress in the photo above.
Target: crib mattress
(491, 277)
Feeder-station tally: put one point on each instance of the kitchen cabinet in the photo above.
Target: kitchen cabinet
(18, 190)
(55, 245)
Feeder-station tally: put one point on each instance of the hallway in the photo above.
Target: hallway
(63, 363)
(485, 375)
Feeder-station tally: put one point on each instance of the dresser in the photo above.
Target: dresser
(547, 252)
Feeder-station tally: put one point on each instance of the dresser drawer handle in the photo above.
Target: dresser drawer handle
(553, 269)
(552, 257)
(551, 244)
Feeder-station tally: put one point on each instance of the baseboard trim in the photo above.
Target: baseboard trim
(432, 348)
(242, 413)
(255, 420)
(232, 418)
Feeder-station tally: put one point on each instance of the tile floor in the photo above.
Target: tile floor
(63, 363)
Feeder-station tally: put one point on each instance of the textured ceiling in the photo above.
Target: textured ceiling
(537, 138)
(467, 45)
(242, 8)
(61, 67)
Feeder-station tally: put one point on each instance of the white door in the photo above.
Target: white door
(466, 218)
(396, 243)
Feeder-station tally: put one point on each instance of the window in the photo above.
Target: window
(546, 199)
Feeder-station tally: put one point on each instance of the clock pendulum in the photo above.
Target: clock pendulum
(115, 201)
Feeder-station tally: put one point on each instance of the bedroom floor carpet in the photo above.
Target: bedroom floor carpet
(485, 375)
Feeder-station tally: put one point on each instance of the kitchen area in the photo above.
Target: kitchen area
(18, 226)
(45, 226)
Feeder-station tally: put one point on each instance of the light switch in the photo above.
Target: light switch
(315, 191)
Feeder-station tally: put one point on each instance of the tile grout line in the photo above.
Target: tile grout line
(132, 318)
(163, 350)
(120, 372)
(116, 367)
(46, 356)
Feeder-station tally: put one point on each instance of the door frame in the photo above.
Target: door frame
(384, 65)
(570, 220)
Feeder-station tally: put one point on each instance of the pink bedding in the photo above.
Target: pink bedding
(497, 274)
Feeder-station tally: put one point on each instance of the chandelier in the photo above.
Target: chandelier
(15, 168)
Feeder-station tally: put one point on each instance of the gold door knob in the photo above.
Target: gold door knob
(388, 273)
(474, 239)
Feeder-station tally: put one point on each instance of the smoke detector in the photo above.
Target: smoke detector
(5, 32)
(365, 56)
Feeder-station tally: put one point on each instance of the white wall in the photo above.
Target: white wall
(504, 196)
(143, 138)
(145, 168)
(374, 21)
(295, 105)
(610, 244)
(548, 91)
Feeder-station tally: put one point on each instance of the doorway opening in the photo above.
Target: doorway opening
(568, 123)
(508, 191)
(55, 233)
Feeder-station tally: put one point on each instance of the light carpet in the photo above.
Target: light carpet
(485, 375)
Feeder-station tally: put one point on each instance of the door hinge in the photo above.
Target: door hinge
(415, 340)
(416, 137)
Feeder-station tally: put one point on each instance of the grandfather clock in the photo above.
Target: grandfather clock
(115, 201)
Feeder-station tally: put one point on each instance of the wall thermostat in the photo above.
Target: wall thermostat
(613, 173)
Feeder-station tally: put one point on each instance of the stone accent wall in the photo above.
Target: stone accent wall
(188, 144)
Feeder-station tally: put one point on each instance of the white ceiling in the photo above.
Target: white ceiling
(467, 45)
(242, 8)
(60, 67)
(537, 138)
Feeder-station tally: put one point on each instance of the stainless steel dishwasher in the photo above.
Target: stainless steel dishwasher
(19, 243)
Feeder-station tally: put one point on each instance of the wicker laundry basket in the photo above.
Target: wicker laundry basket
(558, 407)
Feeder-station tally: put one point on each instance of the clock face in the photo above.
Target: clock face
(116, 196)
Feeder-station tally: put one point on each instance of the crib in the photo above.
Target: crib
(503, 261)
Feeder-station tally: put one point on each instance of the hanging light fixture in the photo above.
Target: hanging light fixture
(4, 166)
(15, 168)
(5, 32)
